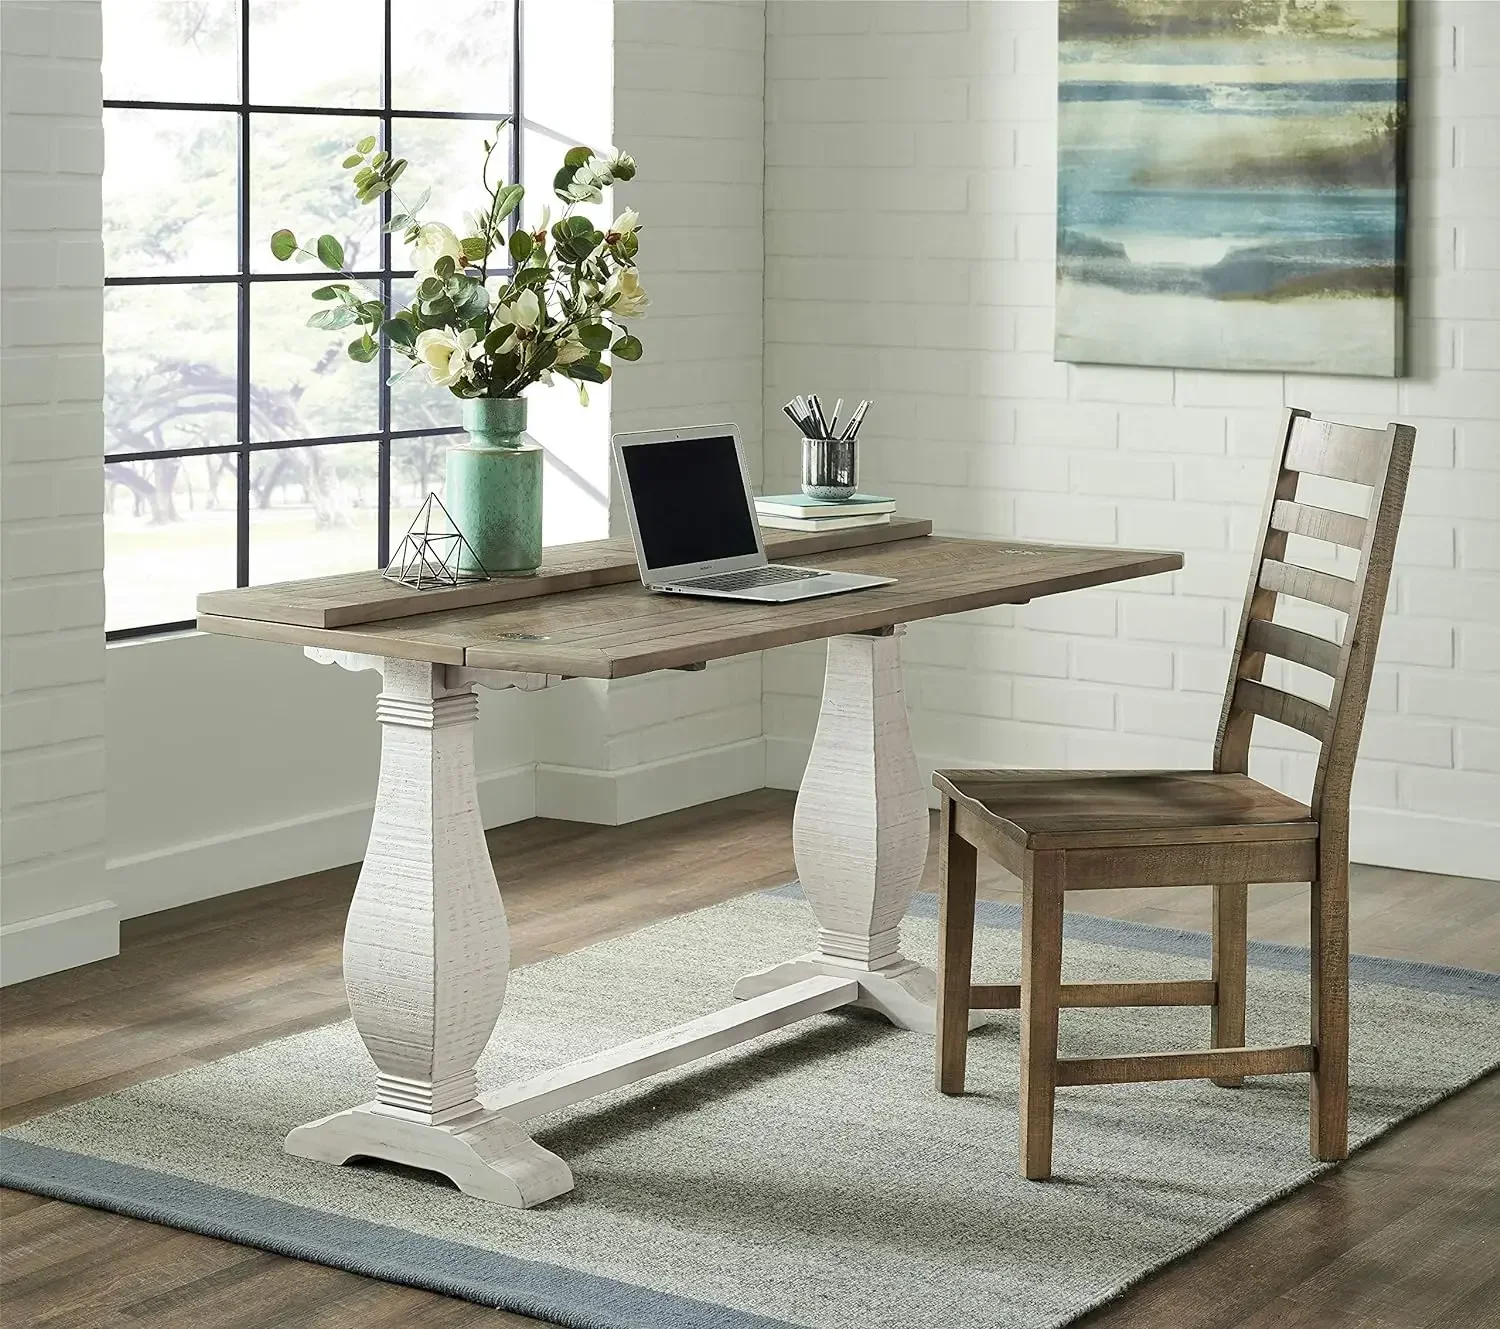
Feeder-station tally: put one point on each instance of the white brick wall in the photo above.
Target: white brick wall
(910, 189)
(52, 910)
(689, 107)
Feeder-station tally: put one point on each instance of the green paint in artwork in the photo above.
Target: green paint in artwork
(494, 488)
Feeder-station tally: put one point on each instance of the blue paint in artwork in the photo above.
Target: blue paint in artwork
(1240, 98)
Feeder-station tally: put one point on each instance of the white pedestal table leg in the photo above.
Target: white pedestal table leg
(426, 955)
(860, 837)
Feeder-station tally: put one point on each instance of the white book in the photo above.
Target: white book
(801, 507)
(823, 523)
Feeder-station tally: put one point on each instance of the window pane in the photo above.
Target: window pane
(169, 367)
(448, 156)
(171, 50)
(451, 57)
(296, 182)
(168, 534)
(315, 52)
(417, 469)
(169, 193)
(302, 382)
(313, 511)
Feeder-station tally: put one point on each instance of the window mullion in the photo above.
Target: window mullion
(383, 360)
(242, 332)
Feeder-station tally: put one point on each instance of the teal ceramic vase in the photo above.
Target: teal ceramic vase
(494, 489)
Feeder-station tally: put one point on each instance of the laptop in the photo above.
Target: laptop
(693, 520)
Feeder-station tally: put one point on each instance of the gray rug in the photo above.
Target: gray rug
(812, 1178)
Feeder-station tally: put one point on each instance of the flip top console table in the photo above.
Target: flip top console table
(426, 954)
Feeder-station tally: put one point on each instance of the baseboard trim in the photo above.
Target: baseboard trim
(613, 798)
(221, 865)
(1421, 842)
(71, 937)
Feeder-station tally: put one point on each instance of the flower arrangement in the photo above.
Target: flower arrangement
(565, 305)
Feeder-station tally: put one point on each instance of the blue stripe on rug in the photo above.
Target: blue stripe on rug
(547, 1292)
(1129, 935)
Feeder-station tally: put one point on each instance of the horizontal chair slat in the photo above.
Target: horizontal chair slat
(1304, 648)
(1339, 528)
(1345, 452)
(1187, 992)
(1284, 708)
(1216, 1063)
(1307, 584)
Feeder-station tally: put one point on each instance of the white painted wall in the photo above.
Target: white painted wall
(53, 901)
(910, 192)
(688, 83)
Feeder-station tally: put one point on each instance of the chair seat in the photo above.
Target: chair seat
(1100, 809)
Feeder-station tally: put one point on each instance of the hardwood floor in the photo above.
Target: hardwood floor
(1404, 1236)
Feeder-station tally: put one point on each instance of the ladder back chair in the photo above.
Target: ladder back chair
(1082, 830)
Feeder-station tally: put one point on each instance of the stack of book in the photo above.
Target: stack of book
(797, 512)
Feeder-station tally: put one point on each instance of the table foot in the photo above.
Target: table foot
(902, 990)
(484, 1154)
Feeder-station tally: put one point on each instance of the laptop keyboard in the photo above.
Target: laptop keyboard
(771, 575)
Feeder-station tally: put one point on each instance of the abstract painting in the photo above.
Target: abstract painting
(1231, 184)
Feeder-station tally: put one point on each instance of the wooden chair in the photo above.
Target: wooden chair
(1080, 830)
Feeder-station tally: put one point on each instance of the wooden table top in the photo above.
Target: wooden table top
(620, 629)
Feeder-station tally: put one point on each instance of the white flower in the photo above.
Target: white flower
(446, 354)
(570, 349)
(632, 299)
(523, 314)
(540, 229)
(625, 224)
(435, 241)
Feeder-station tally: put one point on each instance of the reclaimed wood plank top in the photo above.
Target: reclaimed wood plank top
(619, 630)
(351, 598)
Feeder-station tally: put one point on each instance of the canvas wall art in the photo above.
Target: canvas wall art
(1231, 189)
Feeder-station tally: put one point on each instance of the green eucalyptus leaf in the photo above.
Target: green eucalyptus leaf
(595, 336)
(372, 192)
(578, 227)
(353, 159)
(393, 173)
(330, 252)
(507, 200)
(372, 310)
(430, 288)
(521, 245)
(529, 277)
(283, 245)
(380, 159)
(475, 247)
(627, 348)
(328, 292)
(397, 222)
(399, 331)
(590, 371)
(561, 181)
(496, 339)
(575, 157)
(331, 320)
(363, 349)
(418, 203)
(445, 267)
(363, 177)
(544, 358)
(366, 144)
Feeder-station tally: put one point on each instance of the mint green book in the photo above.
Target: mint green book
(799, 505)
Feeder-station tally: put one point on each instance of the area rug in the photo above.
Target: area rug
(812, 1178)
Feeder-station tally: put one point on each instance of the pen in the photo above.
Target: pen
(833, 420)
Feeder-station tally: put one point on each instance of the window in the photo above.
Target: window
(242, 446)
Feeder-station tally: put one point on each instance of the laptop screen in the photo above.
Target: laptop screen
(690, 501)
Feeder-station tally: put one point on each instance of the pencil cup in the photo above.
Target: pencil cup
(830, 468)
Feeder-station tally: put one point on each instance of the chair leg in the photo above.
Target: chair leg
(957, 872)
(1329, 1098)
(1041, 984)
(1228, 1020)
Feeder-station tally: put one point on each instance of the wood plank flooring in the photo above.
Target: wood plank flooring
(1405, 1236)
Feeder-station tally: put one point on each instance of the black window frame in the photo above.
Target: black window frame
(245, 280)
